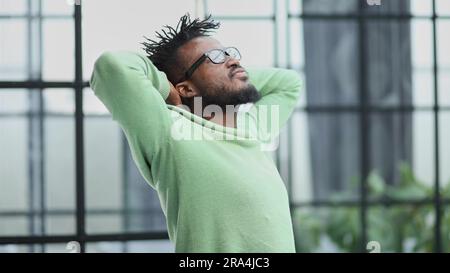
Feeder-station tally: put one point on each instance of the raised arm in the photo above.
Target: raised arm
(279, 89)
(134, 92)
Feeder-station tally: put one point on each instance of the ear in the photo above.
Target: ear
(186, 89)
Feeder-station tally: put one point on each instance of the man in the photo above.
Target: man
(220, 192)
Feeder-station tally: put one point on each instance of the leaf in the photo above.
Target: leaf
(394, 227)
(376, 184)
(308, 227)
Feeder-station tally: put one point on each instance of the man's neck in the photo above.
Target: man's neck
(224, 117)
(227, 119)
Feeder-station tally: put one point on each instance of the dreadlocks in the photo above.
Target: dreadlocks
(163, 53)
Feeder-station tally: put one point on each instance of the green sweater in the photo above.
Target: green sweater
(222, 193)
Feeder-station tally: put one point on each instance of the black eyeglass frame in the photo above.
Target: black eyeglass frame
(205, 55)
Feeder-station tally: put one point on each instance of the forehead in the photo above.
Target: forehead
(193, 49)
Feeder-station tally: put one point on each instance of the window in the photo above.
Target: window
(364, 147)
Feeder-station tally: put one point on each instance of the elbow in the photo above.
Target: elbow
(106, 64)
(296, 83)
(107, 61)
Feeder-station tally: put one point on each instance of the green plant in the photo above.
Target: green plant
(398, 228)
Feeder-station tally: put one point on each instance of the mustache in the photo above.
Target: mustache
(235, 69)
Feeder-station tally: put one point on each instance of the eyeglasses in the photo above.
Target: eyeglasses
(216, 56)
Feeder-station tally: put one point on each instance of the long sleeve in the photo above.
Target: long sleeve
(134, 92)
(279, 89)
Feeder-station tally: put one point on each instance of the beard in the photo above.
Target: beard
(222, 96)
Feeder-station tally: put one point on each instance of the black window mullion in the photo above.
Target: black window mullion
(35, 123)
(364, 125)
(79, 135)
(437, 197)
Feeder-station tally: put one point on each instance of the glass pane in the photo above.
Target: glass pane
(149, 246)
(421, 7)
(295, 7)
(144, 211)
(97, 223)
(115, 185)
(59, 160)
(153, 246)
(333, 141)
(297, 58)
(105, 247)
(103, 168)
(389, 65)
(13, 101)
(62, 224)
(402, 229)
(422, 43)
(104, 163)
(14, 160)
(423, 147)
(388, 7)
(443, 43)
(38, 162)
(13, 50)
(56, 248)
(240, 8)
(37, 248)
(444, 151)
(423, 87)
(91, 104)
(59, 100)
(112, 34)
(280, 155)
(446, 229)
(301, 102)
(329, 46)
(401, 155)
(57, 7)
(328, 230)
(231, 34)
(442, 7)
(13, 225)
(15, 249)
(13, 7)
(329, 6)
(58, 50)
(444, 87)
(302, 185)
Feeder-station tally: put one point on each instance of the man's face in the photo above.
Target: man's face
(221, 84)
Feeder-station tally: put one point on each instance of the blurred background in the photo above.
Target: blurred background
(364, 156)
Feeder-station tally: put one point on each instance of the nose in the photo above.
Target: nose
(230, 62)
